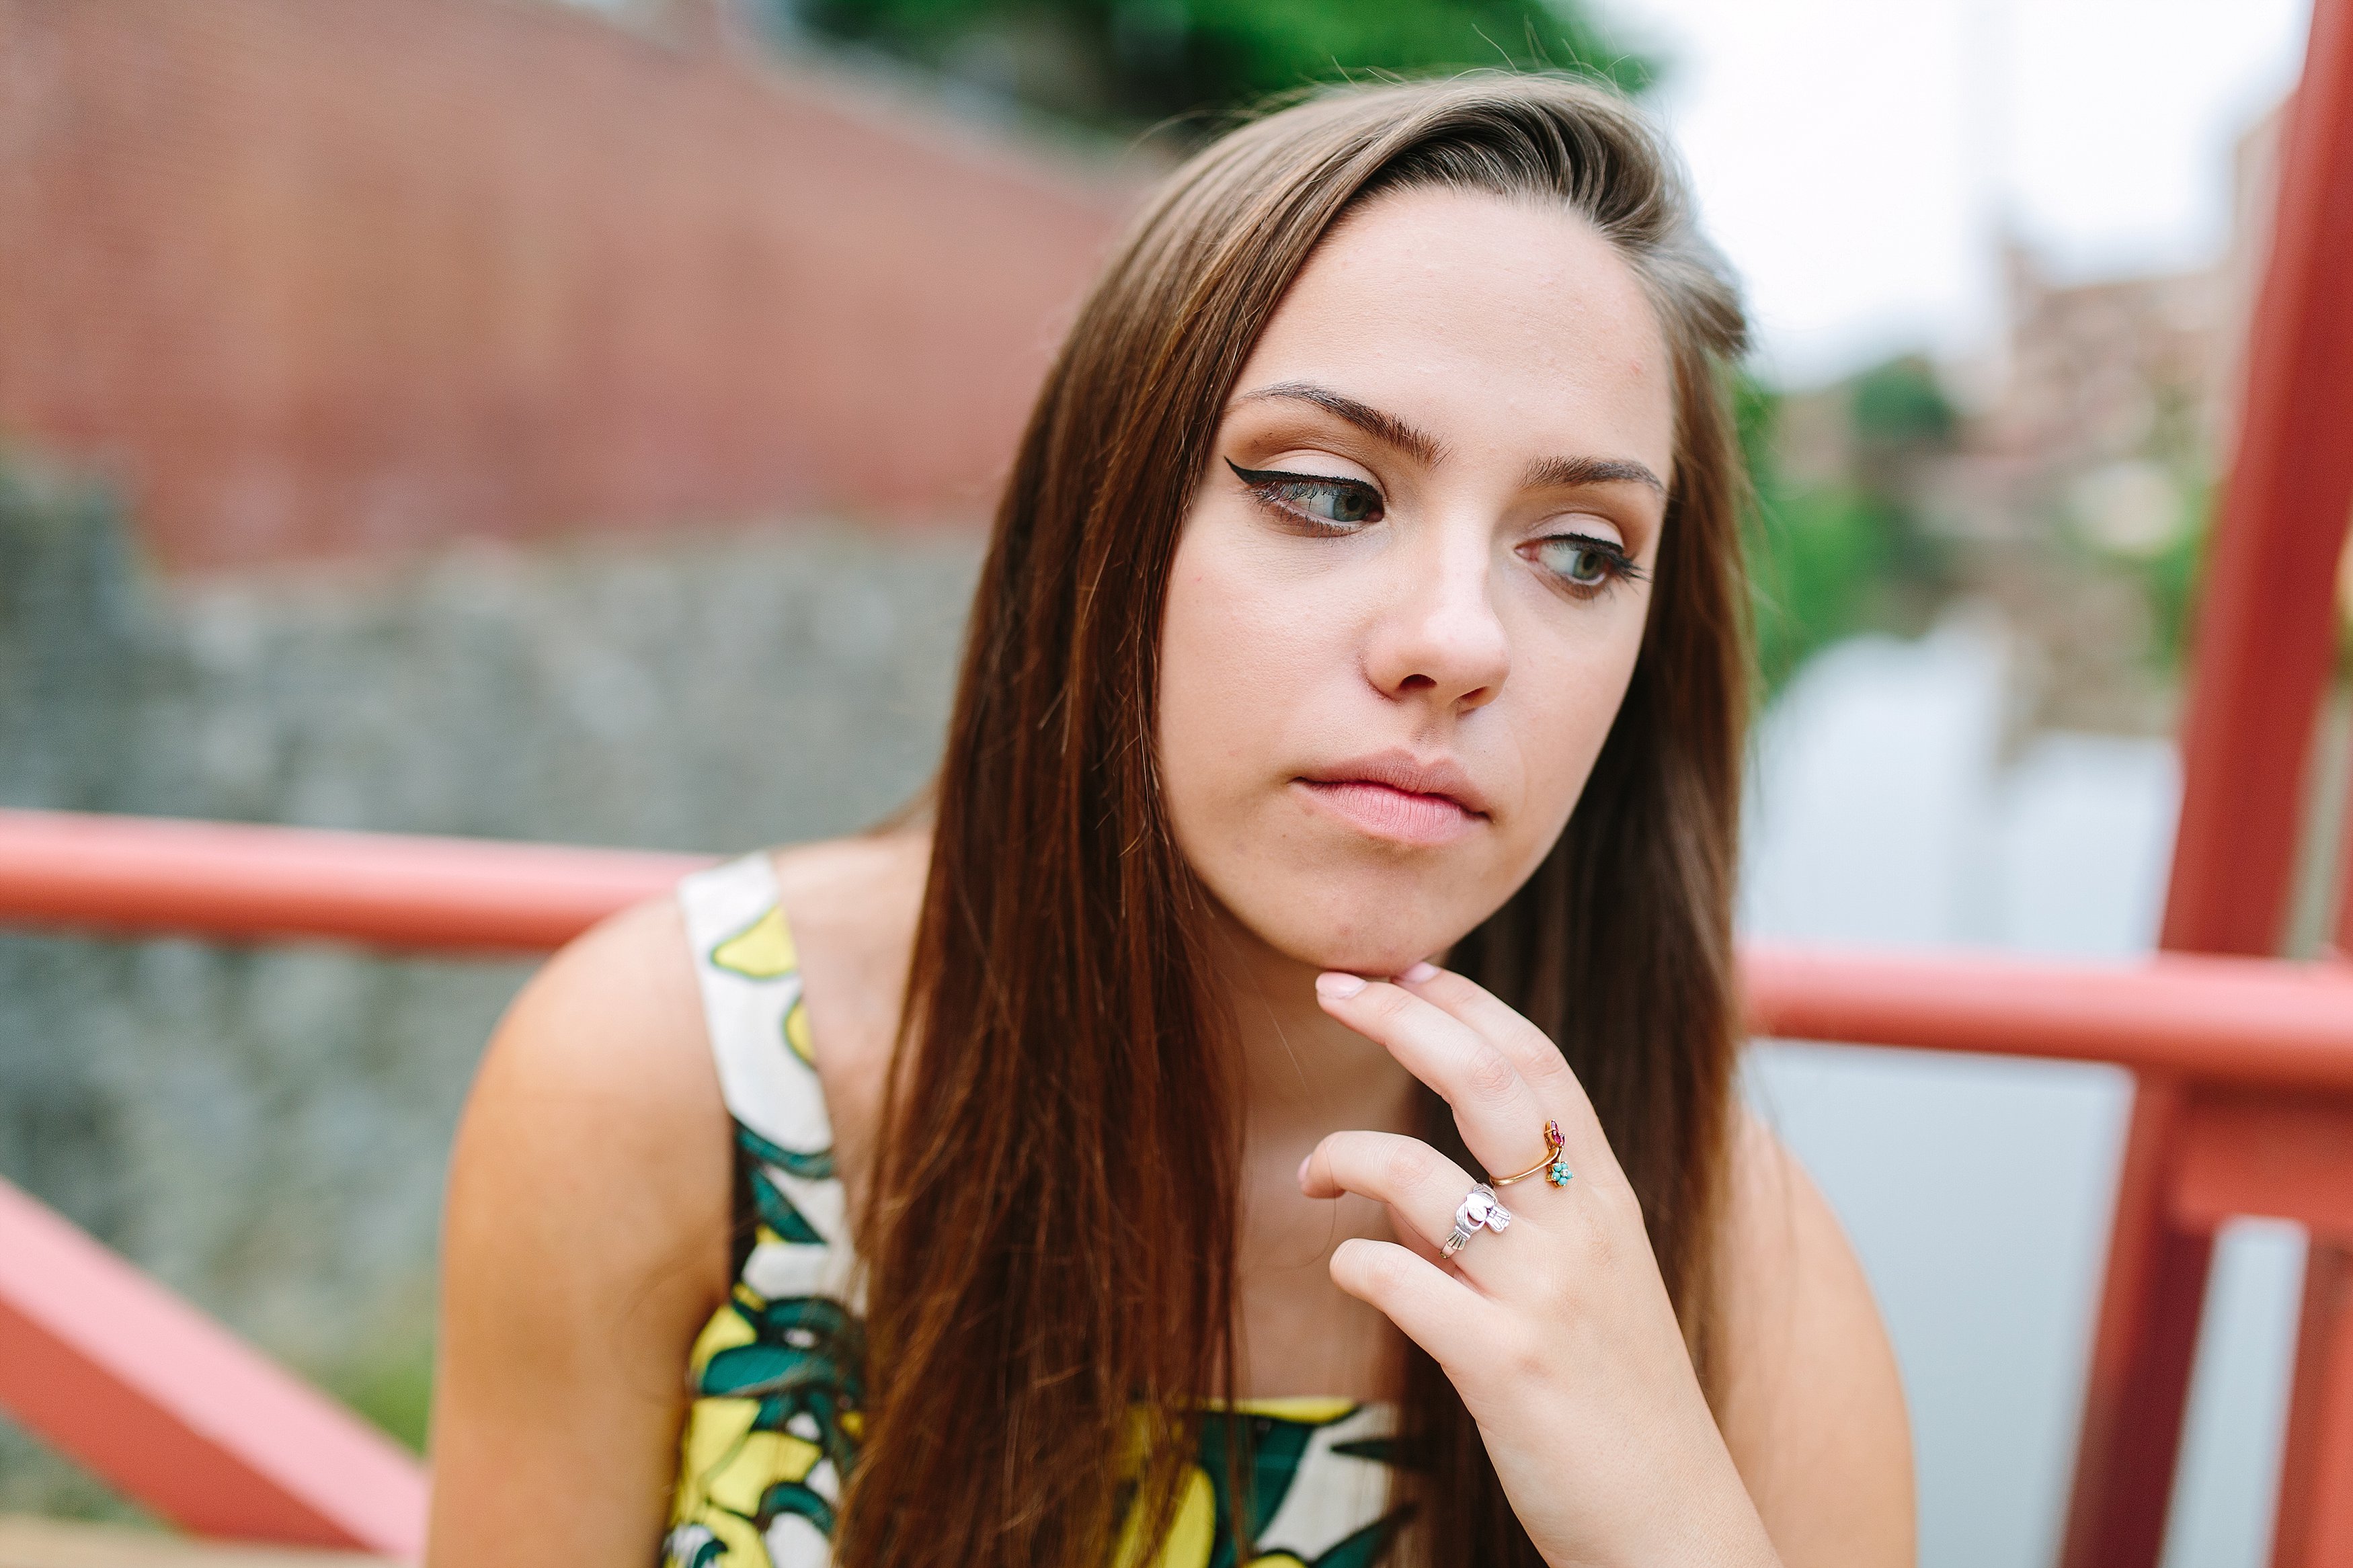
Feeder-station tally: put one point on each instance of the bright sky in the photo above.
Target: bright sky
(1854, 157)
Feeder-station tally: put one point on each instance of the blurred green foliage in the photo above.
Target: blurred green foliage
(2170, 579)
(393, 1390)
(1899, 406)
(1827, 561)
(1126, 64)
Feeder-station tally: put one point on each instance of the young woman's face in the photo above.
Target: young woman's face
(1411, 586)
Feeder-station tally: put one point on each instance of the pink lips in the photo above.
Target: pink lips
(1397, 797)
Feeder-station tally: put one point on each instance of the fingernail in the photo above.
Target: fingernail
(1339, 987)
(1303, 1160)
(1420, 971)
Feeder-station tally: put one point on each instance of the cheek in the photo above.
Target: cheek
(1570, 690)
(1235, 658)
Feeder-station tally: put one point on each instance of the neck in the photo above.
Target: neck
(1303, 1074)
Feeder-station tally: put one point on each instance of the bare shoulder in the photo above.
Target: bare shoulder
(600, 1073)
(1809, 1396)
(586, 1243)
(587, 1238)
(852, 904)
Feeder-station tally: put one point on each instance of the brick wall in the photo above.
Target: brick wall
(319, 278)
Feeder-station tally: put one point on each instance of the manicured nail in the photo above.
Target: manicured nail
(1339, 987)
(1420, 971)
(1303, 1160)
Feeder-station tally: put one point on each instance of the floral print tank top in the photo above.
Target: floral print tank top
(776, 1376)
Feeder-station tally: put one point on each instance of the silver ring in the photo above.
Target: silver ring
(1479, 1210)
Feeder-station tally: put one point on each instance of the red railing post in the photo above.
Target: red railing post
(2316, 1495)
(2268, 626)
(2137, 1387)
(2266, 635)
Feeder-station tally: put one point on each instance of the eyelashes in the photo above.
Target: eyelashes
(1587, 565)
(1326, 504)
(1583, 564)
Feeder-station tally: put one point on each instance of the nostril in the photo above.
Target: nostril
(1416, 683)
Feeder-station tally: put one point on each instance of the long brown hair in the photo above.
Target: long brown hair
(1051, 1221)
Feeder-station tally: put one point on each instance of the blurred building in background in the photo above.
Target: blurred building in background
(2113, 400)
(2063, 475)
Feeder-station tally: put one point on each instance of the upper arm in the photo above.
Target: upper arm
(1808, 1397)
(585, 1245)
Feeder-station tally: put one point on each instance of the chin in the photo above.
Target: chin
(1377, 931)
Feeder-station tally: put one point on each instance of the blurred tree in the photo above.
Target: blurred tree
(2170, 580)
(1900, 404)
(1900, 422)
(1827, 561)
(1123, 64)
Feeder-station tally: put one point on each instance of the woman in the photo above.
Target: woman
(1276, 1108)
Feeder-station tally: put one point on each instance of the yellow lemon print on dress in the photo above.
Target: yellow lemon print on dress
(761, 950)
(1277, 1439)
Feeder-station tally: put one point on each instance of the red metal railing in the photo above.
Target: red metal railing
(2229, 1020)
(107, 1366)
(242, 883)
(170, 1408)
(112, 1369)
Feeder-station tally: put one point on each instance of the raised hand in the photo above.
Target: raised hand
(1557, 1331)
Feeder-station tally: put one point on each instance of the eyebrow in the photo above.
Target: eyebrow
(1382, 426)
(1391, 430)
(1564, 472)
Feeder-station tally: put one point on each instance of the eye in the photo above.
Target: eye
(1320, 500)
(1585, 564)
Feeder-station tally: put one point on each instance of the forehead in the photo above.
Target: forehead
(1495, 322)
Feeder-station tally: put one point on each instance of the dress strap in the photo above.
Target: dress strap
(749, 974)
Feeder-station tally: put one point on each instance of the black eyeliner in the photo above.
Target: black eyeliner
(1282, 491)
(1270, 477)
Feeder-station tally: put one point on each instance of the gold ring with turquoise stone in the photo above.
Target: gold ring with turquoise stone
(1554, 1166)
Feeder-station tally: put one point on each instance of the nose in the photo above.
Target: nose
(1438, 640)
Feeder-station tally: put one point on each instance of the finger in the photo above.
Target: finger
(1421, 1186)
(1500, 1116)
(1435, 1310)
(1541, 1064)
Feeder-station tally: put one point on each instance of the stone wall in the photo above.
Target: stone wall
(264, 1129)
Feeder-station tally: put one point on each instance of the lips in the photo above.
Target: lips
(1397, 796)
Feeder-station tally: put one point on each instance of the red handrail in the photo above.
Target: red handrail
(2227, 1019)
(132, 875)
(2247, 1021)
